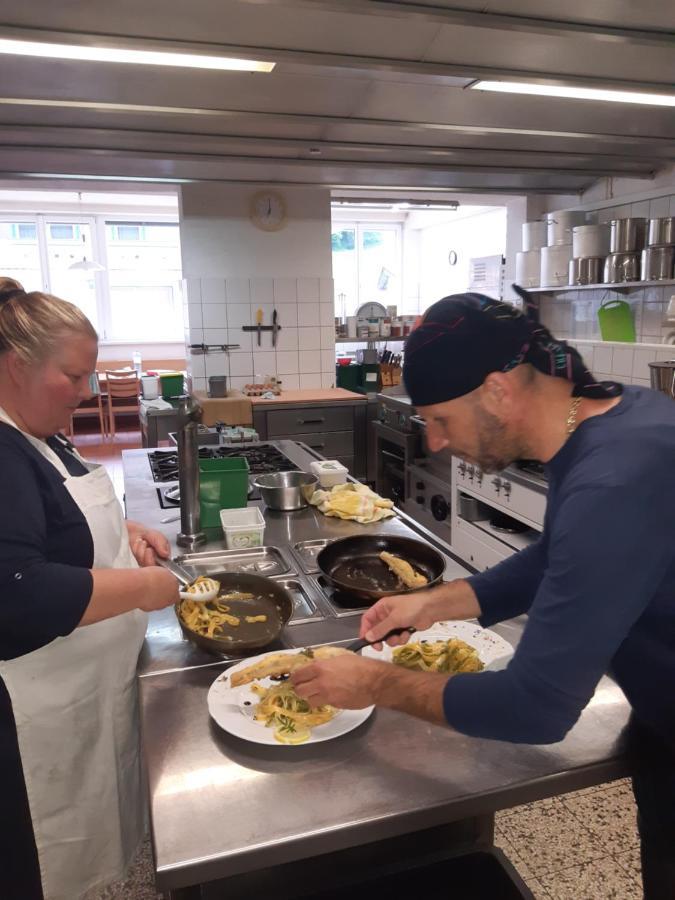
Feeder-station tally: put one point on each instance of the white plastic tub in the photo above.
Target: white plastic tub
(243, 527)
(329, 472)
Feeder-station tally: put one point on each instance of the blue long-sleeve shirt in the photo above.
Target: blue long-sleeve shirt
(598, 586)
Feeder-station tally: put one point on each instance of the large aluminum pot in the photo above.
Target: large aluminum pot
(528, 268)
(661, 231)
(534, 235)
(286, 491)
(662, 375)
(587, 270)
(657, 263)
(555, 265)
(627, 235)
(560, 225)
(621, 267)
(590, 240)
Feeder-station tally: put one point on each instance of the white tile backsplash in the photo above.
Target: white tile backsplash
(290, 382)
(192, 291)
(310, 361)
(194, 315)
(195, 364)
(326, 290)
(214, 315)
(217, 364)
(262, 291)
(238, 314)
(328, 379)
(287, 362)
(308, 290)
(327, 314)
(622, 361)
(285, 290)
(265, 362)
(328, 361)
(327, 337)
(287, 314)
(602, 361)
(238, 290)
(641, 359)
(308, 314)
(213, 291)
(287, 339)
(310, 380)
(309, 338)
(237, 382)
(199, 384)
(241, 364)
(216, 336)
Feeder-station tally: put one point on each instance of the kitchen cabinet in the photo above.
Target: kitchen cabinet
(334, 429)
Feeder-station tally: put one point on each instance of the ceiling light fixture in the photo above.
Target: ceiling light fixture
(393, 203)
(83, 52)
(574, 93)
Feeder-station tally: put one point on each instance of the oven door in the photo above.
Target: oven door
(395, 451)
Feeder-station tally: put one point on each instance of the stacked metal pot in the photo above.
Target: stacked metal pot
(528, 260)
(658, 257)
(590, 246)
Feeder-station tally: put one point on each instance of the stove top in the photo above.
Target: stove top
(533, 468)
(261, 458)
(341, 599)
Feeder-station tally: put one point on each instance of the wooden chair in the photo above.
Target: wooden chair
(90, 408)
(121, 386)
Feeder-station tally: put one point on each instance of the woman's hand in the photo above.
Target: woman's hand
(146, 544)
(160, 589)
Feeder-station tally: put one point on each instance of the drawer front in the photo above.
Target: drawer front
(474, 551)
(337, 443)
(304, 421)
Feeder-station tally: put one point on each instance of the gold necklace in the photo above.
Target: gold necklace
(571, 423)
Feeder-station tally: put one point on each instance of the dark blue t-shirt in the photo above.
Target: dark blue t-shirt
(598, 586)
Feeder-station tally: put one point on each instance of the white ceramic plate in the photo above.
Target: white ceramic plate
(233, 708)
(493, 651)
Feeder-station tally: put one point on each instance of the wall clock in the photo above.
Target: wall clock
(267, 211)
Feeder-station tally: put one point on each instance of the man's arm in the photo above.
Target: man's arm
(508, 589)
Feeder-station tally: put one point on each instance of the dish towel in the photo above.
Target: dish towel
(353, 501)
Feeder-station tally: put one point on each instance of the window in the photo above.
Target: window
(134, 297)
(366, 265)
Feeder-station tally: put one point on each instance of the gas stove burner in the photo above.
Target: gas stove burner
(261, 458)
(341, 598)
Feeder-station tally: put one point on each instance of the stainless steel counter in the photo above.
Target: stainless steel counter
(222, 808)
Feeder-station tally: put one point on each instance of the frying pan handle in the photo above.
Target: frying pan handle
(355, 646)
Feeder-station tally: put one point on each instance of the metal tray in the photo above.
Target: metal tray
(305, 608)
(269, 561)
(307, 551)
(338, 610)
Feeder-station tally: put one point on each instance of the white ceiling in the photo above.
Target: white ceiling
(377, 88)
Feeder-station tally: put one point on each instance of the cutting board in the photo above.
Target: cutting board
(235, 409)
(616, 321)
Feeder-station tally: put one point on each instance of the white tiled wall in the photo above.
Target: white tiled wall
(627, 363)
(216, 309)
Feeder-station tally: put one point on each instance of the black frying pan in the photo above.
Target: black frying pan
(270, 599)
(353, 564)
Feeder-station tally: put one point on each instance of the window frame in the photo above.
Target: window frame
(359, 226)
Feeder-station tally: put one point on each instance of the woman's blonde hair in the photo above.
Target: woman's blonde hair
(34, 324)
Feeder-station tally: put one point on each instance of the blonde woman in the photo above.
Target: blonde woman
(76, 581)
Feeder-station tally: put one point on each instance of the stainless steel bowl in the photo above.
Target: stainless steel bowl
(622, 267)
(657, 263)
(286, 490)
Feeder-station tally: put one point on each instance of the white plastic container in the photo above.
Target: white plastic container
(150, 387)
(555, 265)
(590, 240)
(329, 472)
(243, 527)
(528, 268)
(534, 236)
(560, 225)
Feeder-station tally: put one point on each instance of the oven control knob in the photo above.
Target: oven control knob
(506, 487)
(497, 482)
(419, 499)
(471, 472)
(479, 477)
(440, 507)
(461, 468)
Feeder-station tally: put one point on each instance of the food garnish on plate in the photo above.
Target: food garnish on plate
(291, 717)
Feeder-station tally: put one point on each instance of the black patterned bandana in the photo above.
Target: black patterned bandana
(465, 337)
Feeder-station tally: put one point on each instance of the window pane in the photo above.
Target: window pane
(345, 270)
(379, 269)
(144, 274)
(67, 244)
(19, 254)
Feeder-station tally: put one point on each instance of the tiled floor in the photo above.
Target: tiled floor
(580, 846)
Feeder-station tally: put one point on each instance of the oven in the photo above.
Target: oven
(398, 442)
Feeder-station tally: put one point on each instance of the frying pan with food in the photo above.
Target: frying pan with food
(353, 564)
(269, 599)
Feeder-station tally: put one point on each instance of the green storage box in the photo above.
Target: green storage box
(348, 377)
(223, 484)
(172, 385)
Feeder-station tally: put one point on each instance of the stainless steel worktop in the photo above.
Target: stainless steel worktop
(222, 807)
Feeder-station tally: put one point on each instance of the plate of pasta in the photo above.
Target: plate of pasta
(254, 701)
(452, 647)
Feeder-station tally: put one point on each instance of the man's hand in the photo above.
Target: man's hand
(147, 544)
(346, 682)
(421, 609)
(352, 682)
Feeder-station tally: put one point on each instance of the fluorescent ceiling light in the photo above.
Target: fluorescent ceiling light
(111, 107)
(57, 176)
(136, 57)
(393, 204)
(574, 93)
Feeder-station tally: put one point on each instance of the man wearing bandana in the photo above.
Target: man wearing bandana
(494, 386)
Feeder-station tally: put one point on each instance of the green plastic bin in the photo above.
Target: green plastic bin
(223, 484)
(172, 385)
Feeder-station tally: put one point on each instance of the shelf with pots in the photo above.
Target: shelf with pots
(374, 339)
(607, 286)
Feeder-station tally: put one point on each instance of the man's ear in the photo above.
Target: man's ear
(496, 394)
